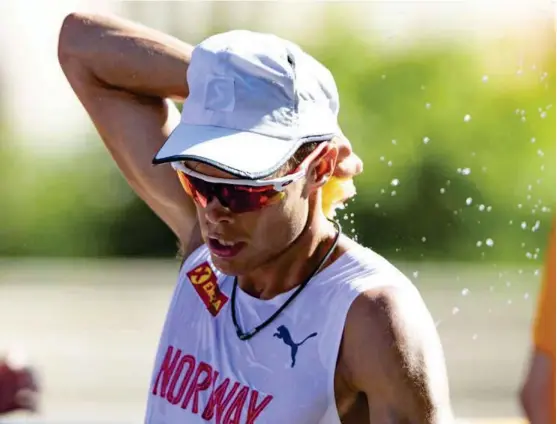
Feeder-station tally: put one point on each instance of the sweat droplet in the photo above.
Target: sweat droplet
(426, 140)
(526, 296)
(393, 193)
(390, 163)
(467, 118)
(523, 225)
(465, 292)
(465, 171)
(393, 141)
(469, 201)
(478, 243)
(481, 208)
(489, 242)
(485, 78)
(442, 190)
(415, 274)
(533, 140)
(455, 310)
(540, 153)
(428, 105)
(536, 226)
(543, 115)
(395, 182)
(424, 239)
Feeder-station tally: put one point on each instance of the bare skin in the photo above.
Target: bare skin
(535, 393)
(122, 73)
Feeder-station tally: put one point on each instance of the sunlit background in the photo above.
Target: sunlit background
(449, 103)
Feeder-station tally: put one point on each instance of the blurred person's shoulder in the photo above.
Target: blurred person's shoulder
(544, 320)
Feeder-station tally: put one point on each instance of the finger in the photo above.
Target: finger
(349, 167)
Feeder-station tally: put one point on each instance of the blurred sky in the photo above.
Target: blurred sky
(41, 107)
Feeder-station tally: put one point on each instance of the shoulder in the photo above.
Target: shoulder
(391, 351)
(363, 269)
(387, 316)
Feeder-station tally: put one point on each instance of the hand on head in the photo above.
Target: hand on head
(349, 163)
(340, 186)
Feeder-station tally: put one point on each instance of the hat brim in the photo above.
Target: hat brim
(240, 153)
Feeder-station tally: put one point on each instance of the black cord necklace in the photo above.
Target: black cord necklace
(248, 335)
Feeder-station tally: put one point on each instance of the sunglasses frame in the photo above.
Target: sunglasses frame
(278, 184)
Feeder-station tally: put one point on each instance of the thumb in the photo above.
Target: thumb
(349, 166)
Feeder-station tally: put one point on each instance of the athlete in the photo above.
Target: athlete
(537, 394)
(277, 317)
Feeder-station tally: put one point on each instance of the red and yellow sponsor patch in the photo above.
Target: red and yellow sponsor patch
(205, 284)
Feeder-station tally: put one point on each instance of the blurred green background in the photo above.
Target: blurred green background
(436, 122)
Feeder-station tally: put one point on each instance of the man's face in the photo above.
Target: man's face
(241, 242)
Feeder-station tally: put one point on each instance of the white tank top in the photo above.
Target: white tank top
(204, 373)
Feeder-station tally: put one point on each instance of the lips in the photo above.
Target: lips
(223, 248)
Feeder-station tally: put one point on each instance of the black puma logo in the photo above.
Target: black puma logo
(283, 334)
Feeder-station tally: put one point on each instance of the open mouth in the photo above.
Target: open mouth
(224, 249)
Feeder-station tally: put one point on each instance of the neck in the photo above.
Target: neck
(295, 264)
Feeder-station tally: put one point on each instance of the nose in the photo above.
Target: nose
(216, 213)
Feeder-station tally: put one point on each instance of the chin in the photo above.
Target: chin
(228, 266)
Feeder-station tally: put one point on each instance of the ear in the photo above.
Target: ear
(322, 166)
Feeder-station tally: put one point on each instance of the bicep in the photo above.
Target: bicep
(400, 364)
(133, 128)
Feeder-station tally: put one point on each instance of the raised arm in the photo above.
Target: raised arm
(124, 75)
(394, 356)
